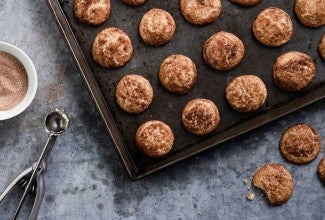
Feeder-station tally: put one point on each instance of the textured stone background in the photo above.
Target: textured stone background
(85, 177)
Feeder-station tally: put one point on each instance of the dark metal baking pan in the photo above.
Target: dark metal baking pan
(188, 40)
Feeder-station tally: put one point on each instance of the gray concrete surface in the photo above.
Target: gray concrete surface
(85, 177)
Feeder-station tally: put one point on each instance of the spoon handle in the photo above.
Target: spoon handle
(45, 153)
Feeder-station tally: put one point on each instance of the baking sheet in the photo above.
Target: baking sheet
(188, 40)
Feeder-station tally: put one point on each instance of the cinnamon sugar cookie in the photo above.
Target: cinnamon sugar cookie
(200, 116)
(112, 48)
(157, 27)
(246, 3)
(276, 181)
(200, 12)
(246, 93)
(223, 51)
(273, 27)
(300, 144)
(93, 12)
(311, 12)
(321, 170)
(154, 138)
(134, 93)
(293, 71)
(178, 73)
(134, 2)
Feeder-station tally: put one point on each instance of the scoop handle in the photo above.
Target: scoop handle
(46, 152)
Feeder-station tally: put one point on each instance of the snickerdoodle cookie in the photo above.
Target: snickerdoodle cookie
(300, 144)
(321, 170)
(246, 93)
(134, 2)
(178, 73)
(293, 71)
(112, 48)
(311, 13)
(134, 93)
(276, 181)
(273, 27)
(157, 27)
(321, 47)
(223, 51)
(154, 138)
(200, 12)
(92, 11)
(200, 116)
(246, 3)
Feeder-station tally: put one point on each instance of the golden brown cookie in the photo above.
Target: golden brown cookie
(112, 48)
(178, 73)
(246, 3)
(134, 2)
(134, 93)
(200, 12)
(246, 93)
(157, 27)
(93, 12)
(300, 144)
(276, 181)
(293, 71)
(154, 138)
(321, 47)
(311, 13)
(321, 170)
(273, 27)
(200, 116)
(223, 51)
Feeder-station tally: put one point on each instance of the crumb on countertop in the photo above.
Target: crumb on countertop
(250, 196)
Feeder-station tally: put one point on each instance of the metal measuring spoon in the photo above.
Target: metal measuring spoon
(56, 123)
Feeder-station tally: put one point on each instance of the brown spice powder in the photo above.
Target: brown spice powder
(13, 81)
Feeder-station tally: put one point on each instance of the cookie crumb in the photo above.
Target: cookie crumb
(245, 181)
(250, 196)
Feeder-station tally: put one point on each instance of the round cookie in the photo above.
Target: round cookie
(200, 116)
(157, 27)
(154, 138)
(93, 12)
(134, 2)
(300, 144)
(223, 51)
(293, 71)
(311, 13)
(273, 27)
(134, 93)
(246, 93)
(200, 12)
(321, 170)
(178, 73)
(112, 48)
(246, 3)
(321, 47)
(276, 181)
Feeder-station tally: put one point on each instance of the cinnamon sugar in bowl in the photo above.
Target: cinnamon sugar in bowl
(18, 81)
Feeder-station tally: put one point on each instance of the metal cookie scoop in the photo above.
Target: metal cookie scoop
(32, 178)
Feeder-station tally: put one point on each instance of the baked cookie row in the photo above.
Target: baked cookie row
(112, 47)
(309, 12)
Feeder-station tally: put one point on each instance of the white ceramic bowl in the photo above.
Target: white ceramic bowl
(32, 80)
